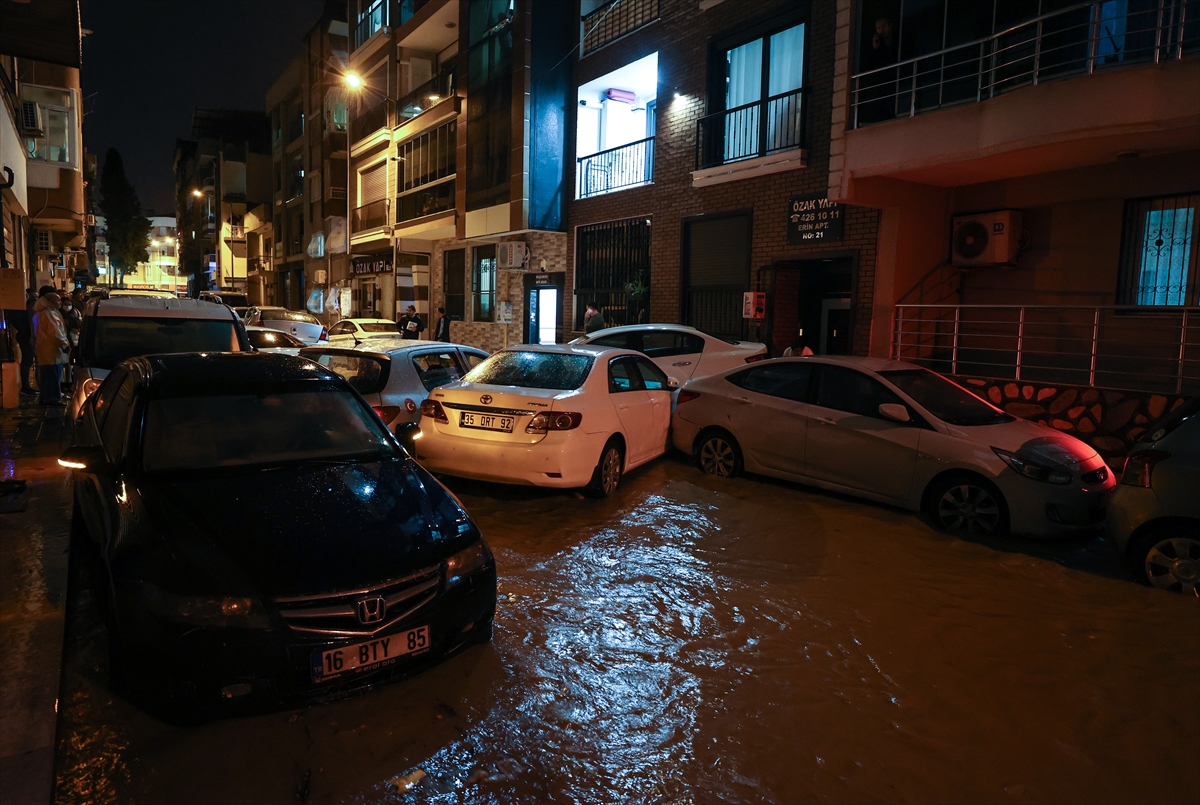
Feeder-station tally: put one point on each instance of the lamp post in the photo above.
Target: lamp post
(354, 83)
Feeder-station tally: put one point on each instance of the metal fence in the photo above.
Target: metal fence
(1076, 40)
(615, 19)
(627, 165)
(752, 130)
(1118, 347)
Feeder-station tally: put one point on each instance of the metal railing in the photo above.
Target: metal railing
(1117, 346)
(371, 215)
(752, 130)
(370, 20)
(615, 19)
(629, 165)
(1078, 40)
(427, 158)
(716, 311)
(427, 199)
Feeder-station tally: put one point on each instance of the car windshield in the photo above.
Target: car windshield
(276, 427)
(945, 400)
(288, 315)
(379, 327)
(533, 370)
(114, 338)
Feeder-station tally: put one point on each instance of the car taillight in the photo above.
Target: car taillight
(89, 386)
(387, 412)
(324, 334)
(1140, 466)
(762, 356)
(686, 396)
(433, 409)
(554, 420)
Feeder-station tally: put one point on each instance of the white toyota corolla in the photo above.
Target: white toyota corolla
(559, 416)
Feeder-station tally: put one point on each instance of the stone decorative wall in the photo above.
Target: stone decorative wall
(1110, 421)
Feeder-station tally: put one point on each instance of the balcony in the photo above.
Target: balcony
(372, 120)
(1080, 40)
(426, 96)
(758, 129)
(428, 199)
(630, 165)
(370, 216)
(614, 20)
(296, 129)
(373, 18)
(1154, 349)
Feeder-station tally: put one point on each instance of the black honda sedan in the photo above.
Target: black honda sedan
(264, 537)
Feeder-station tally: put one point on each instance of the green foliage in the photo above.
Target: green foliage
(128, 229)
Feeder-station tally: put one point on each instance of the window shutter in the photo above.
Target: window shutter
(373, 184)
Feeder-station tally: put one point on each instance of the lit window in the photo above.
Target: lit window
(1159, 263)
(53, 114)
(484, 282)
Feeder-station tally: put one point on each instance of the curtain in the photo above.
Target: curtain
(787, 61)
(743, 86)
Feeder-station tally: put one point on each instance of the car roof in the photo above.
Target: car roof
(207, 370)
(135, 292)
(630, 328)
(856, 362)
(155, 307)
(590, 350)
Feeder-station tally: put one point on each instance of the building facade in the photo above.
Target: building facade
(159, 272)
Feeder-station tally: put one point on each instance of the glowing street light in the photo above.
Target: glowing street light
(197, 193)
(354, 80)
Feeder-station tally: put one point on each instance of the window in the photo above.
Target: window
(474, 359)
(54, 107)
(844, 389)
(454, 283)
(612, 269)
(1158, 263)
(652, 377)
(620, 341)
(489, 102)
(787, 380)
(623, 375)
(665, 344)
(436, 369)
(716, 272)
(483, 282)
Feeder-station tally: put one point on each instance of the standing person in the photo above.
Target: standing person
(879, 95)
(73, 321)
(441, 331)
(411, 324)
(593, 319)
(22, 323)
(50, 343)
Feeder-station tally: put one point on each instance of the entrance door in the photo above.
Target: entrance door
(835, 326)
(811, 306)
(543, 306)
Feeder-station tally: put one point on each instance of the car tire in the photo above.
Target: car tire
(1167, 556)
(718, 453)
(607, 475)
(966, 505)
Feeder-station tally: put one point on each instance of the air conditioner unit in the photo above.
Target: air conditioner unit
(986, 239)
(511, 254)
(319, 276)
(89, 219)
(31, 120)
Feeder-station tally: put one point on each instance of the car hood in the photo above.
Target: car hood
(1030, 440)
(301, 530)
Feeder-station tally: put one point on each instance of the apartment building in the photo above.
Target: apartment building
(221, 173)
(43, 216)
(307, 107)
(159, 272)
(1037, 168)
(458, 160)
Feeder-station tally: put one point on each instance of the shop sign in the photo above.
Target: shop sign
(372, 264)
(815, 219)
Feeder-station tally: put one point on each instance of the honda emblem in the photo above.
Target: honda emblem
(371, 610)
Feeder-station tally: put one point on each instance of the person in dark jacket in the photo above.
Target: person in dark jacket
(411, 324)
(22, 322)
(593, 319)
(441, 331)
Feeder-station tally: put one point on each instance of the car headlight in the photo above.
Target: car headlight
(464, 563)
(241, 612)
(1032, 469)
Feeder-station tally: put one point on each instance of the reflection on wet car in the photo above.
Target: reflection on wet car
(264, 537)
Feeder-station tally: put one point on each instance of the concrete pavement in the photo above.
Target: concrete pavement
(34, 538)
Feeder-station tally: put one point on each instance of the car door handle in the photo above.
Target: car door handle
(740, 399)
(622, 406)
(826, 420)
(682, 363)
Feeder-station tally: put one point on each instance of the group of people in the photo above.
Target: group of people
(412, 325)
(46, 331)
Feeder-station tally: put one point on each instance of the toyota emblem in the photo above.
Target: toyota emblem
(370, 610)
(486, 399)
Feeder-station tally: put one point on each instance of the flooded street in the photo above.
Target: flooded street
(694, 639)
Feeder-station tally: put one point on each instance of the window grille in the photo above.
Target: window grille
(1158, 261)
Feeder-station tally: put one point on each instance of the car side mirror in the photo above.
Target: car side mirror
(895, 412)
(85, 458)
(672, 383)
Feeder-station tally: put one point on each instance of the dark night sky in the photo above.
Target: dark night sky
(151, 62)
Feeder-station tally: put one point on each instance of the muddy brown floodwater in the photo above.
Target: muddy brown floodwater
(700, 640)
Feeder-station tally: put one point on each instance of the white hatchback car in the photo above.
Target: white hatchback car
(896, 433)
(553, 415)
(682, 352)
(348, 332)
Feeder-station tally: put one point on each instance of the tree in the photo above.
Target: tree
(128, 229)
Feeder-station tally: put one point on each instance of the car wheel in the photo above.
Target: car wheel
(717, 453)
(1168, 557)
(607, 475)
(967, 505)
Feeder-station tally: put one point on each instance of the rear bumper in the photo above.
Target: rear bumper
(563, 460)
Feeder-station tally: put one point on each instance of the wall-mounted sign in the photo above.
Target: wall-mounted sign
(372, 264)
(814, 219)
(754, 305)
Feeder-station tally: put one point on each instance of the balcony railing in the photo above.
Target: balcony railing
(372, 18)
(1078, 40)
(426, 96)
(753, 130)
(427, 158)
(615, 19)
(1118, 347)
(629, 165)
(370, 216)
(372, 120)
(429, 199)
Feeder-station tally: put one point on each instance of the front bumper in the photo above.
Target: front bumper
(232, 670)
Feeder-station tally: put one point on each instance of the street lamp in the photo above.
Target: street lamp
(197, 193)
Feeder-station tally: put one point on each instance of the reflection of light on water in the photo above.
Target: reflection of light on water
(604, 645)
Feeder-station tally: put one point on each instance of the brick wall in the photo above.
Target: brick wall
(680, 37)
